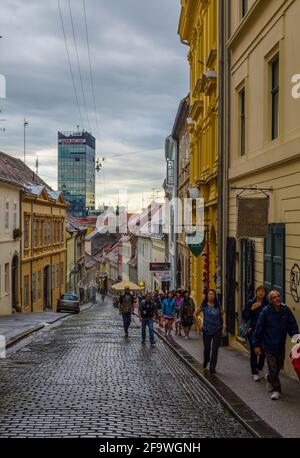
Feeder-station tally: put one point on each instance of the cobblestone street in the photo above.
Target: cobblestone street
(83, 379)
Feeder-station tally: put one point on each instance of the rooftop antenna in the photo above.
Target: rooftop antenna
(2, 120)
(25, 125)
(37, 165)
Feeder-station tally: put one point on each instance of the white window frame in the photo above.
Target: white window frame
(15, 221)
(7, 209)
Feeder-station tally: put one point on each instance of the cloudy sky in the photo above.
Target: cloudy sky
(140, 75)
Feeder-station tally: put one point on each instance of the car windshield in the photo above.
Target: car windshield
(69, 297)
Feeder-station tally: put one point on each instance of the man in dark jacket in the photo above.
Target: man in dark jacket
(275, 322)
(126, 309)
(146, 313)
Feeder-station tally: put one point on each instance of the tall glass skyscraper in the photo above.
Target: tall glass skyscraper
(76, 170)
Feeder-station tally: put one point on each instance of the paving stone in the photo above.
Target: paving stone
(83, 379)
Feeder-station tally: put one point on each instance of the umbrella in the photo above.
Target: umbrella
(126, 285)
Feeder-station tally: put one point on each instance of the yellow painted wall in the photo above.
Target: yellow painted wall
(199, 27)
(37, 258)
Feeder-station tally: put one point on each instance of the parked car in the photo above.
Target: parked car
(68, 302)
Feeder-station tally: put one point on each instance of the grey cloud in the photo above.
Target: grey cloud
(140, 73)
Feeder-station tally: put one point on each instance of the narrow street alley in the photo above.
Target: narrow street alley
(81, 378)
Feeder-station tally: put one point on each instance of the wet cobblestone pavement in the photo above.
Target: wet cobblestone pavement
(83, 379)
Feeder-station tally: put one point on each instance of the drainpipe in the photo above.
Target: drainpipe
(31, 251)
(226, 146)
(221, 151)
(21, 247)
(176, 148)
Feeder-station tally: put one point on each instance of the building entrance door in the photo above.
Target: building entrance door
(47, 304)
(14, 282)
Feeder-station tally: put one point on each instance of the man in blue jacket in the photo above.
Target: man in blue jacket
(146, 314)
(275, 322)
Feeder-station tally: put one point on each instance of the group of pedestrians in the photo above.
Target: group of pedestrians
(166, 308)
(267, 322)
(176, 308)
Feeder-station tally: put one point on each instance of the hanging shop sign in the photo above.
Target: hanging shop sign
(170, 173)
(196, 242)
(160, 266)
(252, 217)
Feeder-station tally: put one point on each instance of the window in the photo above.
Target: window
(39, 285)
(242, 110)
(6, 281)
(26, 232)
(57, 276)
(45, 224)
(244, 8)
(6, 215)
(26, 291)
(15, 215)
(62, 231)
(41, 232)
(53, 277)
(48, 232)
(275, 96)
(35, 232)
(34, 287)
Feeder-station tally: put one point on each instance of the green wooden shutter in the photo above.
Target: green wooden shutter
(274, 259)
(268, 260)
(278, 258)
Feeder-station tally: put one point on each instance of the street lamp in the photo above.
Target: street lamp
(99, 164)
(25, 125)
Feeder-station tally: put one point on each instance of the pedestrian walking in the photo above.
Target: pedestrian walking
(140, 298)
(251, 315)
(146, 315)
(275, 322)
(169, 312)
(126, 309)
(212, 329)
(187, 314)
(158, 306)
(178, 303)
(103, 294)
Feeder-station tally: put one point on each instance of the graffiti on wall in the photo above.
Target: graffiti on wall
(295, 283)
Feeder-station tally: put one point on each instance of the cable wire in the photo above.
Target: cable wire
(91, 72)
(69, 61)
(79, 67)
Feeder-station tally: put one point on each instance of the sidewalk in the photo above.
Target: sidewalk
(233, 381)
(18, 326)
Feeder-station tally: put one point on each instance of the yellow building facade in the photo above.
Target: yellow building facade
(198, 29)
(43, 269)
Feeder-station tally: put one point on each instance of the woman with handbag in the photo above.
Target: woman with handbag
(251, 314)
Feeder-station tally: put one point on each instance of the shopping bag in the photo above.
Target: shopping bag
(295, 355)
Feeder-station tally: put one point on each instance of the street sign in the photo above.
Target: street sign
(161, 274)
(160, 266)
(166, 278)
